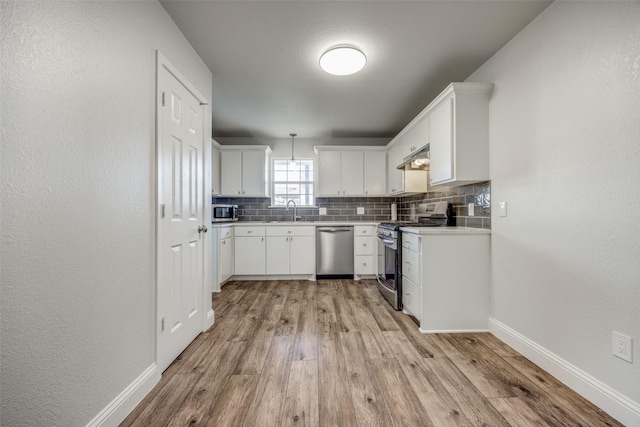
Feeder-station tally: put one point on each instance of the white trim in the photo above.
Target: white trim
(611, 401)
(452, 331)
(118, 409)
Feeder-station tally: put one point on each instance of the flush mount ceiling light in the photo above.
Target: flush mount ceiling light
(342, 60)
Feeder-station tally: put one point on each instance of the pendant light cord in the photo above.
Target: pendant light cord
(292, 135)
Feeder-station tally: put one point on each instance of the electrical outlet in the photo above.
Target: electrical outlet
(360, 211)
(323, 211)
(471, 209)
(621, 346)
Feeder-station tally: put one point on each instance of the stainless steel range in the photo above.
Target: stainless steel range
(438, 214)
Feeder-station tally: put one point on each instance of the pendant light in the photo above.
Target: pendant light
(293, 159)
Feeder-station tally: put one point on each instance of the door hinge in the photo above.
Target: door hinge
(162, 324)
(162, 208)
(163, 99)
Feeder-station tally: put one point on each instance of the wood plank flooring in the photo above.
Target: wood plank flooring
(334, 353)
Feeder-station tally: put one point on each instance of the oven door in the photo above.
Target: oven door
(389, 274)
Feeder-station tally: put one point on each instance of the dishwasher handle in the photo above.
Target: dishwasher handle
(333, 230)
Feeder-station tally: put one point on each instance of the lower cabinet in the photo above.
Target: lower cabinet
(250, 250)
(364, 250)
(290, 250)
(445, 280)
(411, 275)
(222, 256)
(225, 250)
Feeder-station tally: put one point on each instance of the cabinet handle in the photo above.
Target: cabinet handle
(239, 192)
(249, 232)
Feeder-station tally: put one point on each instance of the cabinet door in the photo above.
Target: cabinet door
(441, 138)
(278, 255)
(352, 173)
(394, 175)
(375, 173)
(215, 171)
(253, 173)
(329, 173)
(249, 255)
(225, 263)
(231, 173)
(302, 251)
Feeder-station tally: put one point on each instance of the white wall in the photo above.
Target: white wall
(78, 197)
(565, 155)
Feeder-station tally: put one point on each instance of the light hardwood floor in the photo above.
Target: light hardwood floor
(334, 353)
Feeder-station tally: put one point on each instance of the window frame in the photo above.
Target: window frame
(274, 182)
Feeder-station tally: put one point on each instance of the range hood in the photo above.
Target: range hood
(417, 160)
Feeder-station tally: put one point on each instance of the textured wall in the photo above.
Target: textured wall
(78, 156)
(565, 155)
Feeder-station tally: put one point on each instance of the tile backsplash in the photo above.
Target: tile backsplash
(376, 209)
(479, 194)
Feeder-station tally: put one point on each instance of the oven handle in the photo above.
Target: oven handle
(387, 242)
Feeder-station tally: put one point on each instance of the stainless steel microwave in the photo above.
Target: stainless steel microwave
(224, 213)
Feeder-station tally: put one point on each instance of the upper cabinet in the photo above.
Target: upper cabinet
(244, 171)
(350, 171)
(459, 134)
(375, 165)
(215, 168)
(413, 138)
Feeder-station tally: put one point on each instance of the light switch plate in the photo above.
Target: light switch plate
(502, 208)
(323, 211)
(360, 211)
(471, 209)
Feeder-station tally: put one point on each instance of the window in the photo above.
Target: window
(293, 180)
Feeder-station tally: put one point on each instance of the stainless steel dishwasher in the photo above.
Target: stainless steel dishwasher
(334, 251)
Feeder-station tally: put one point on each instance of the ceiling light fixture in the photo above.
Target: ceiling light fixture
(292, 135)
(343, 60)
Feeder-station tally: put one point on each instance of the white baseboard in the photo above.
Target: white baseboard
(452, 331)
(609, 400)
(127, 400)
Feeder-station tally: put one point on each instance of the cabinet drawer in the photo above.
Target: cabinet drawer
(248, 231)
(363, 264)
(363, 245)
(225, 233)
(411, 265)
(411, 297)
(411, 241)
(290, 231)
(361, 230)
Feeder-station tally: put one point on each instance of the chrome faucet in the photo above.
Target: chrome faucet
(294, 209)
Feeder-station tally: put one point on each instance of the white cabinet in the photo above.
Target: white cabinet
(445, 282)
(290, 250)
(411, 275)
(222, 255)
(364, 250)
(394, 175)
(416, 135)
(352, 168)
(225, 251)
(244, 171)
(250, 250)
(459, 134)
(215, 168)
(340, 173)
(352, 172)
(375, 166)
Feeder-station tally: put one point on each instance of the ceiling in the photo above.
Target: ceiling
(264, 59)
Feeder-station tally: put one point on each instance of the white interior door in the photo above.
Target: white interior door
(180, 220)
